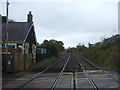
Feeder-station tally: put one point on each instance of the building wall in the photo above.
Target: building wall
(10, 50)
(31, 40)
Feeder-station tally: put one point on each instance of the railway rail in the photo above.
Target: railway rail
(88, 76)
(38, 74)
(100, 69)
(70, 70)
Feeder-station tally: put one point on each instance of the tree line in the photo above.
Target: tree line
(53, 47)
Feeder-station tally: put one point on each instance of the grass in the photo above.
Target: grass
(107, 57)
(47, 60)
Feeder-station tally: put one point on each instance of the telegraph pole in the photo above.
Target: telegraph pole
(7, 3)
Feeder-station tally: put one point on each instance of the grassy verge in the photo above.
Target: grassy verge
(47, 60)
(107, 57)
(43, 62)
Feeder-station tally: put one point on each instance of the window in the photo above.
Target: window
(20, 46)
(0, 45)
(11, 46)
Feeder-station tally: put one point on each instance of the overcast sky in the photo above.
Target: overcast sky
(72, 22)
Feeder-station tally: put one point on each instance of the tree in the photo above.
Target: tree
(53, 47)
(11, 20)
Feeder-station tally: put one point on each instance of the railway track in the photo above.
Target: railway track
(73, 72)
(38, 74)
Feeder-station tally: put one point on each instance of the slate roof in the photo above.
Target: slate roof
(17, 31)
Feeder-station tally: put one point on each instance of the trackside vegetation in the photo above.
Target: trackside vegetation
(105, 53)
(53, 47)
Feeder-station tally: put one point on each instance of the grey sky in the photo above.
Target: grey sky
(70, 22)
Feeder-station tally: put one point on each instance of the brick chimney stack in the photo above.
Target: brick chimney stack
(30, 17)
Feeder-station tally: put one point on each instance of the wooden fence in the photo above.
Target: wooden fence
(16, 62)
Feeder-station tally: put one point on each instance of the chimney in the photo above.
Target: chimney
(30, 17)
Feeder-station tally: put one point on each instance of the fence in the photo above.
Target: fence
(16, 62)
(42, 53)
(40, 56)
